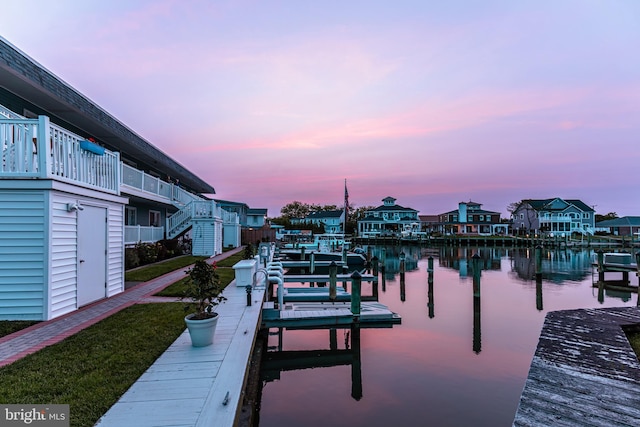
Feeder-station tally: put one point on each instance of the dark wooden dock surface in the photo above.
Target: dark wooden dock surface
(584, 371)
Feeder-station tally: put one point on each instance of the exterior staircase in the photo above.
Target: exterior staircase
(183, 220)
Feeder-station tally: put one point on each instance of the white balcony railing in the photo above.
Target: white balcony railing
(142, 181)
(137, 233)
(35, 148)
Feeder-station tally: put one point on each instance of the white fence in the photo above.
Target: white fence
(137, 233)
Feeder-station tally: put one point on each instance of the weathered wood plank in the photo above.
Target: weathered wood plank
(584, 372)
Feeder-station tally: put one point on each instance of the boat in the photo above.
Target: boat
(326, 247)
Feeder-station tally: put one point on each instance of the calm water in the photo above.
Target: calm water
(451, 362)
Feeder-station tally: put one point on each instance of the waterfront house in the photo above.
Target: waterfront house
(76, 186)
(252, 223)
(389, 219)
(429, 223)
(332, 221)
(553, 217)
(471, 219)
(624, 226)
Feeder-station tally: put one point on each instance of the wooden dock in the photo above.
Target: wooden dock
(584, 372)
(189, 386)
(322, 314)
(307, 264)
(324, 278)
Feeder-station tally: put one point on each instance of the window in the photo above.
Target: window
(521, 216)
(585, 215)
(130, 216)
(481, 218)
(154, 218)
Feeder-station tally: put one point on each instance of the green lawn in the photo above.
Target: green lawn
(634, 340)
(148, 272)
(93, 368)
(10, 326)
(152, 271)
(177, 289)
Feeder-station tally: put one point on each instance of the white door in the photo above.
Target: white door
(92, 257)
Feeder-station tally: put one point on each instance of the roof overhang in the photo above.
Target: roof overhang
(28, 80)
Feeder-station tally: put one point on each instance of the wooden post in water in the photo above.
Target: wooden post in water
(430, 302)
(383, 279)
(312, 262)
(333, 339)
(302, 253)
(356, 295)
(539, 294)
(402, 277)
(333, 271)
(356, 364)
(345, 270)
(344, 255)
(477, 334)
(374, 266)
(600, 266)
(383, 260)
(538, 255)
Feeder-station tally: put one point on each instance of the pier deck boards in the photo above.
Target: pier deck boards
(584, 371)
(307, 264)
(317, 314)
(189, 386)
(303, 278)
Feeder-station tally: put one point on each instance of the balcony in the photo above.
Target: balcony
(36, 148)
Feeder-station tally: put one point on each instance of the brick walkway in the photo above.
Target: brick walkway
(38, 336)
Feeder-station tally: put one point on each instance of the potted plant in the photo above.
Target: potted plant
(203, 293)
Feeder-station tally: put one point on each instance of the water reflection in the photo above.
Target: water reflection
(558, 266)
(491, 305)
(274, 363)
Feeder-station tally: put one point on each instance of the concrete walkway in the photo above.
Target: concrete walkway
(189, 386)
(43, 334)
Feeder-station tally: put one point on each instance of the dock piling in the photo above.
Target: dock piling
(600, 266)
(333, 271)
(356, 295)
(374, 265)
(538, 262)
(477, 337)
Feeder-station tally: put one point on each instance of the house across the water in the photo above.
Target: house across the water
(76, 187)
(553, 217)
(471, 218)
(389, 219)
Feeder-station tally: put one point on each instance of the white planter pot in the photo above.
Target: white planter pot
(201, 331)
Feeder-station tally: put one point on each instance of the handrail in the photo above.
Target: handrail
(36, 148)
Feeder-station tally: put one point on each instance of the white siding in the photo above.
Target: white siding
(115, 249)
(63, 256)
(218, 236)
(22, 254)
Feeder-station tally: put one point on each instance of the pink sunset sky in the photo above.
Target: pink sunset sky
(430, 102)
